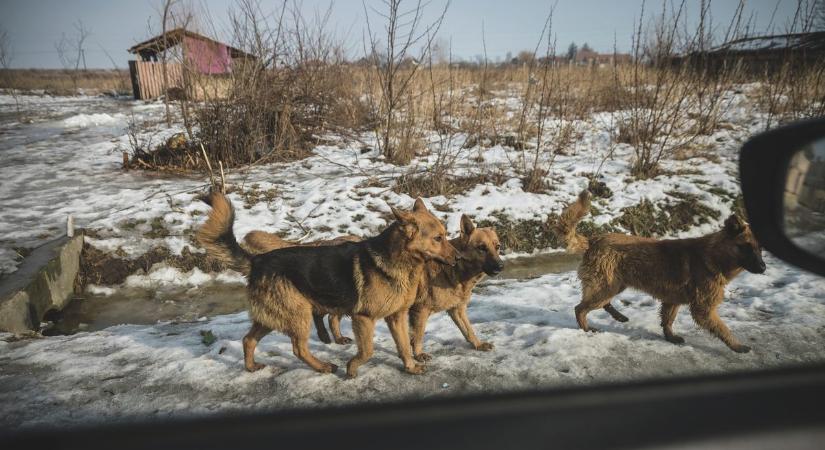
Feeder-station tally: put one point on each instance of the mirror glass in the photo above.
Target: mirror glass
(804, 201)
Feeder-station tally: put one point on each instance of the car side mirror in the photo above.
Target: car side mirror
(783, 186)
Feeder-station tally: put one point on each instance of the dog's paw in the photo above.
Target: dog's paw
(621, 318)
(343, 340)
(352, 372)
(255, 367)
(423, 357)
(327, 368)
(484, 346)
(673, 339)
(416, 369)
(741, 348)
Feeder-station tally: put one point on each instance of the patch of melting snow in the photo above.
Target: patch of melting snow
(91, 120)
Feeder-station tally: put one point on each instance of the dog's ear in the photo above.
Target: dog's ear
(467, 225)
(734, 225)
(408, 225)
(419, 205)
(401, 215)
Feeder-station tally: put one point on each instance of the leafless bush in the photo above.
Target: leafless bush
(272, 103)
(72, 51)
(394, 67)
(5, 63)
(670, 105)
(796, 89)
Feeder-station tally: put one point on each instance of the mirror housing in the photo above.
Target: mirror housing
(763, 168)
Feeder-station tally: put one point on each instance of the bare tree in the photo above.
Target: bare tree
(167, 7)
(395, 66)
(71, 49)
(5, 64)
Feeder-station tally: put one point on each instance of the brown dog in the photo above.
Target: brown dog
(368, 280)
(677, 272)
(450, 287)
(258, 242)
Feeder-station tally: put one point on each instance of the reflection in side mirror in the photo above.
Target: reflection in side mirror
(804, 198)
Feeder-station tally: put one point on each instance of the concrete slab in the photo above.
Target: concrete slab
(43, 282)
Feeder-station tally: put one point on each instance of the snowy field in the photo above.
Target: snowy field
(65, 159)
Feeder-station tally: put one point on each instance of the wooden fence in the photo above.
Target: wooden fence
(147, 79)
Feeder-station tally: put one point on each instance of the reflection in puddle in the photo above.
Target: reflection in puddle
(537, 265)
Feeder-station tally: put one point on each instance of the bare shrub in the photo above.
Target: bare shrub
(273, 103)
(796, 89)
(394, 66)
(669, 105)
(71, 50)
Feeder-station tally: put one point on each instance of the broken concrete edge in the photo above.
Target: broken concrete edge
(44, 282)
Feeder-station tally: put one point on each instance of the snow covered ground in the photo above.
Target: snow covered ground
(163, 370)
(65, 159)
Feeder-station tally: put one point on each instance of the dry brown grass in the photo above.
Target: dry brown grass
(61, 82)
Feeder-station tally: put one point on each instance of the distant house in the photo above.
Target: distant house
(761, 53)
(189, 55)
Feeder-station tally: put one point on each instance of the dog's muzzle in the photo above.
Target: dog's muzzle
(494, 268)
(759, 267)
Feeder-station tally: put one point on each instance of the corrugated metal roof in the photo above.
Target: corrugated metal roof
(174, 37)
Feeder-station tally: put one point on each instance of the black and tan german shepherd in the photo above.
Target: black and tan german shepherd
(368, 280)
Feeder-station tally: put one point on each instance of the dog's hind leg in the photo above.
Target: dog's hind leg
(299, 334)
(615, 314)
(459, 316)
(399, 324)
(363, 327)
(668, 313)
(335, 327)
(318, 318)
(594, 297)
(418, 322)
(250, 341)
(707, 318)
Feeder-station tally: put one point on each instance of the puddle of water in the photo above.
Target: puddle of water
(148, 306)
(537, 265)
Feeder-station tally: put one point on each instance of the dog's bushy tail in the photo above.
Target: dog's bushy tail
(217, 237)
(569, 219)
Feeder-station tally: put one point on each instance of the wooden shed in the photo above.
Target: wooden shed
(189, 56)
(761, 53)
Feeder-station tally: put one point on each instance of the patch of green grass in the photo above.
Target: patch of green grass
(523, 235)
(681, 213)
(157, 228)
(207, 338)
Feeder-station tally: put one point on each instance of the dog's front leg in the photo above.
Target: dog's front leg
(459, 316)
(399, 324)
(707, 318)
(363, 327)
(418, 321)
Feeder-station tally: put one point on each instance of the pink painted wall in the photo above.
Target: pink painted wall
(207, 57)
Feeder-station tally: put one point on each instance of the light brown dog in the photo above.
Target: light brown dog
(258, 242)
(449, 288)
(368, 280)
(677, 272)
